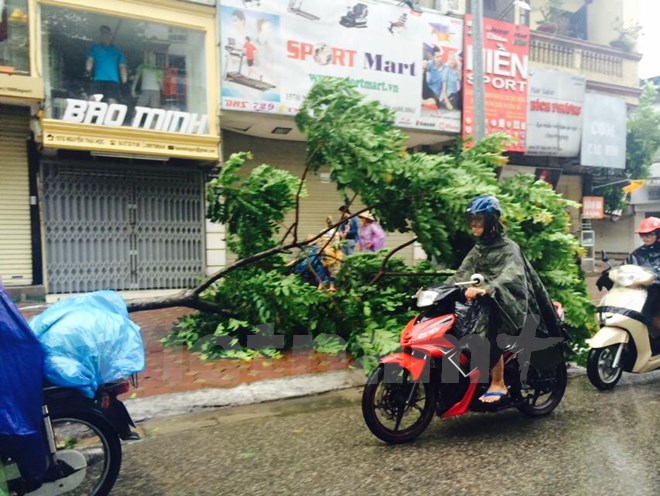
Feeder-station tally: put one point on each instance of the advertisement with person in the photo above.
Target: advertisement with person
(506, 69)
(273, 52)
(554, 113)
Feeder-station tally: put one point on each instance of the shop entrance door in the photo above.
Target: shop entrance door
(115, 226)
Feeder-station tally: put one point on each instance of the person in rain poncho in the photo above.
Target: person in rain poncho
(648, 257)
(513, 287)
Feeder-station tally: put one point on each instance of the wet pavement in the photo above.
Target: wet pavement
(595, 443)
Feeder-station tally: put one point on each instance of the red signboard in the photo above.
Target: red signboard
(593, 207)
(506, 63)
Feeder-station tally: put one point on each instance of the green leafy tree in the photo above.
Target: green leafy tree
(642, 143)
(419, 193)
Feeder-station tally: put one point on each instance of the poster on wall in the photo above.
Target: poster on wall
(273, 51)
(604, 132)
(554, 113)
(506, 63)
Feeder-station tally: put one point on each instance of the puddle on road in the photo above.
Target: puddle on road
(226, 415)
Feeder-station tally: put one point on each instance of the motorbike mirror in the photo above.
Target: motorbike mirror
(603, 256)
(477, 280)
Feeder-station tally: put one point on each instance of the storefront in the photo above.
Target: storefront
(20, 94)
(127, 139)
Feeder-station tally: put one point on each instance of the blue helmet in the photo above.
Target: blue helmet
(485, 204)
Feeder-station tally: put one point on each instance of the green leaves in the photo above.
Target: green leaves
(252, 208)
(427, 194)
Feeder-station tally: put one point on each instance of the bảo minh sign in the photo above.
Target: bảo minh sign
(115, 115)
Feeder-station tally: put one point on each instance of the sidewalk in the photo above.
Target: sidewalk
(189, 383)
(176, 381)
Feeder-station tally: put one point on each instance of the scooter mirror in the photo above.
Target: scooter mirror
(477, 280)
(603, 256)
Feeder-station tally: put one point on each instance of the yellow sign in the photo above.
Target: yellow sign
(634, 185)
(26, 87)
(59, 134)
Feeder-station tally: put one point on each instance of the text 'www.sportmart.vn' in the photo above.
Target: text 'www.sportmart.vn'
(364, 84)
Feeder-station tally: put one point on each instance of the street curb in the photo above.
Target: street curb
(170, 404)
(164, 405)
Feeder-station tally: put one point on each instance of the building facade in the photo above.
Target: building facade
(112, 115)
(21, 94)
(117, 145)
(574, 44)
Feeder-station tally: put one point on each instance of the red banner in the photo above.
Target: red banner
(506, 63)
(593, 207)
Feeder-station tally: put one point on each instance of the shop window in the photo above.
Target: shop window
(114, 71)
(14, 37)
(654, 193)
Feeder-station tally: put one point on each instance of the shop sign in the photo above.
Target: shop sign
(21, 87)
(554, 113)
(604, 132)
(506, 69)
(593, 207)
(114, 114)
(273, 53)
(121, 140)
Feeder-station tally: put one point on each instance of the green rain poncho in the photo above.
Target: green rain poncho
(514, 286)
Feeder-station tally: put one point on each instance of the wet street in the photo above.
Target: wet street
(594, 443)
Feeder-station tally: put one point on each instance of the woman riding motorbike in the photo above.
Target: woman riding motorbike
(648, 257)
(513, 287)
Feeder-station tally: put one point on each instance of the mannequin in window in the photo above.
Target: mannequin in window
(108, 65)
(170, 87)
(150, 77)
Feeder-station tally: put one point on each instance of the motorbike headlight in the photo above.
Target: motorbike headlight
(426, 298)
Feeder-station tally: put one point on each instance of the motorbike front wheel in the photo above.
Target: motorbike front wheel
(600, 371)
(94, 438)
(395, 408)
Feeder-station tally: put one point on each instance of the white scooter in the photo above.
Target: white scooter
(624, 341)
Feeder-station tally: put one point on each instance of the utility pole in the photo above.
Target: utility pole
(479, 97)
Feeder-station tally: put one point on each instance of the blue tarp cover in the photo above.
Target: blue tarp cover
(21, 382)
(89, 340)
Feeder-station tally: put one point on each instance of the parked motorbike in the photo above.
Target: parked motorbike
(623, 342)
(83, 437)
(434, 374)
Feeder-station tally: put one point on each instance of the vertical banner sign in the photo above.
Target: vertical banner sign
(274, 50)
(554, 113)
(604, 132)
(506, 63)
(593, 207)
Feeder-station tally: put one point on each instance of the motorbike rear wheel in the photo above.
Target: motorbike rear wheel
(546, 389)
(385, 410)
(599, 367)
(94, 438)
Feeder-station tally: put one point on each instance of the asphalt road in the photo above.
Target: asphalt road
(594, 443)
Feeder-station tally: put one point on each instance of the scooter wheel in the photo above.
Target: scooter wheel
(600, 370)
(92, 437)
(385, 409)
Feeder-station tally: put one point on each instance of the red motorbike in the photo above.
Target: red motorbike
(434, 374)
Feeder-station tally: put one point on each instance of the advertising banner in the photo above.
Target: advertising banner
(554, 113)
(604, 132)
(593, 207)
(506, 63)
(273, 51)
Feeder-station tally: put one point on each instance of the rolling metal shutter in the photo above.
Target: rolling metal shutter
(15, 237)
(123, 227)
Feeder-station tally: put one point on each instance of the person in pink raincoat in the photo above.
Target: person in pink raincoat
(371, 235)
